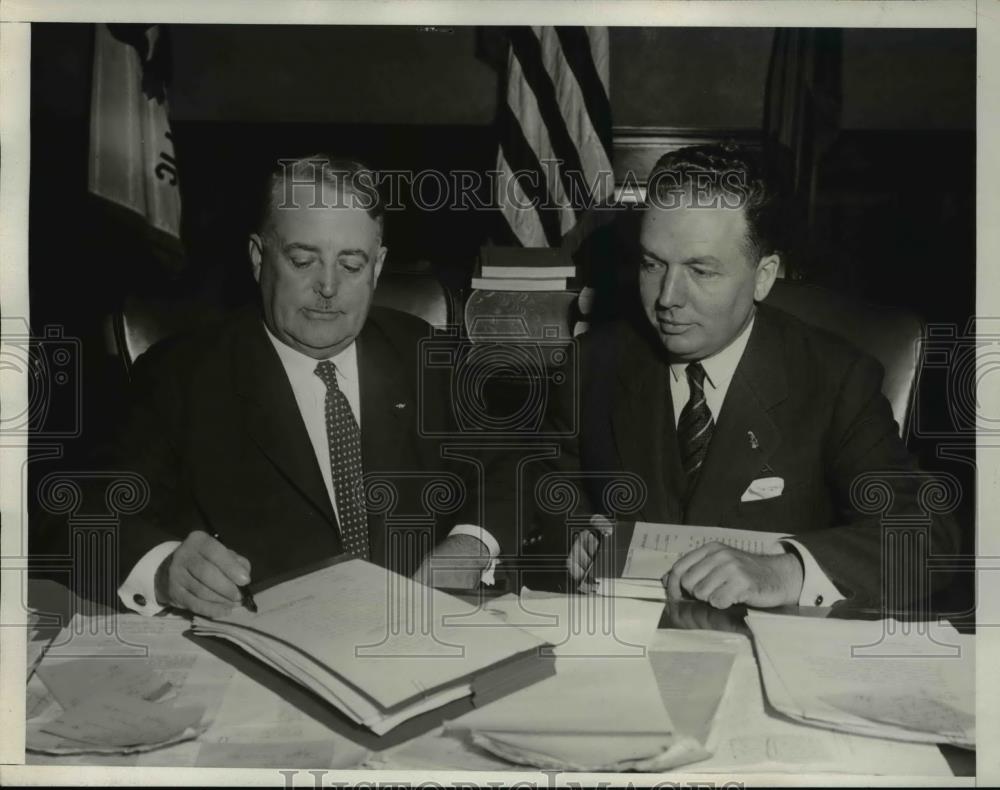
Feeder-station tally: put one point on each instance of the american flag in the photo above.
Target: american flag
(554, 121)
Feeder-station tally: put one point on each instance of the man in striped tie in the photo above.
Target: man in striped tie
(735, 414)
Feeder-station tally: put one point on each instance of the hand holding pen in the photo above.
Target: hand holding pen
(205, 577)
(246, 597)
(583, 554)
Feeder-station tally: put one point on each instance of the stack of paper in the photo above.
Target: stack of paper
(908, 681)
(380, 647)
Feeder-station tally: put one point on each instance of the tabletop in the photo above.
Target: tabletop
(258, 718)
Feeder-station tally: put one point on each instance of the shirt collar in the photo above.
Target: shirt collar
(301, 365)
(720, 367)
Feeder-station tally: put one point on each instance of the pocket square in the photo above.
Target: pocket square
(763, 488)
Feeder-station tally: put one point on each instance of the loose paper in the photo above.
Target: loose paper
(71, 682)
(117, 720)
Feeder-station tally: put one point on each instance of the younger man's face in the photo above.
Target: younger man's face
(697, 278)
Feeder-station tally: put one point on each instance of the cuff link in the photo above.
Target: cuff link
(139, 599)
(819, 600)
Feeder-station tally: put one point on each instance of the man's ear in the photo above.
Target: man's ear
(256, 250)
(379, 260)
(764, 277)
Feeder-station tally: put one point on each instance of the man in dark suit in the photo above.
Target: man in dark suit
(259, 437)
(738, 415)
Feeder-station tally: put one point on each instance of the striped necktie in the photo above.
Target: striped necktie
(344, 438)
(694, 428)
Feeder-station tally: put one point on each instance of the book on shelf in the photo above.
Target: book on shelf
(545, 263)
(379, 647)
(519, 284)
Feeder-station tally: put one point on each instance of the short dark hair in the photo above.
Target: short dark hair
(343, 176)
(733, 174)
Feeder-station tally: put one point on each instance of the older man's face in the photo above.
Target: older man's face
(697, 280)
(317, 269)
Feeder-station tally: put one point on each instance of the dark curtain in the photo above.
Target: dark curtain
(802, 102)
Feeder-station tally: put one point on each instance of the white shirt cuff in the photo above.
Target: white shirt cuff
(817, 589)
(138, 591)
(487, 540)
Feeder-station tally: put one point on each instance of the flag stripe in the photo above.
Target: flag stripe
(548, 131)
(600, 48)
(526, 226)
(522, 161)
(576, 47)
(596, 166)
(528, 51)
(523, 104)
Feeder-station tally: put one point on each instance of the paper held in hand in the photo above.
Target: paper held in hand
(378, 646)
(654, 548)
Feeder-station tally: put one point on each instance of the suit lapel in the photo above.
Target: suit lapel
(645, 435)
(746, 435)
(386, 402)
(272, 417)
(386, 407)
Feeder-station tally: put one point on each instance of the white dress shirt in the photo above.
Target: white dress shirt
(310, 395)
(817, 589)
(138, 590)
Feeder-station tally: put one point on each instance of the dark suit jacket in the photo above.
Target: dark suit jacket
(217, 433)
(815, 406)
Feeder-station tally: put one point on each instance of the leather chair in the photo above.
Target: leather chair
(892, 335)
(417, 291)
(145, 320)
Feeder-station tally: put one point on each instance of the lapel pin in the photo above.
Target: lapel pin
(400, 405)
(754, 444)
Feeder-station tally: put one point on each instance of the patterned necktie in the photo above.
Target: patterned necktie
(344, 438)
(695, 426)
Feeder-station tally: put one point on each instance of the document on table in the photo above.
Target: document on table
(122, 684)
(581, 625)
(912, 681)
(150, 646)
(602, 666)
(602, 710)
(247, 723)
(117, 722)
(746, 737)
(256, 726)
(378, 646)
(71, 682)
(596, 713)
(654, 548)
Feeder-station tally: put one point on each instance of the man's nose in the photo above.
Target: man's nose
(326, 284)
(672, 290)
